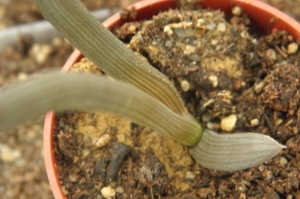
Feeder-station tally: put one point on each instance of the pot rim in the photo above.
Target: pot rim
(265, 17)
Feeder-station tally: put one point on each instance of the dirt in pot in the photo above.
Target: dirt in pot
(231, 78)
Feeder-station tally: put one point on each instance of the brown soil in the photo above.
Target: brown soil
(222, 67)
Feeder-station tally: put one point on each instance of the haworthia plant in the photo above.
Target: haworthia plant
(141, 94)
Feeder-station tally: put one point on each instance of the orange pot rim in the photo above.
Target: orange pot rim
(265, 17)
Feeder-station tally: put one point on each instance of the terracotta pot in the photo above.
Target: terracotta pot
(265, 17)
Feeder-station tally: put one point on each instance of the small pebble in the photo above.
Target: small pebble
(254, 122)
(190, 175)
(103, 141)
(236, 10)
(228, 123)
(254, 41)
(168, 30)
(214, 42)
(108, 192)
(241, 188)
(221, 27)
(120, 151)
(278, 122)
(282, 161)
(189, 50)
(292, 48)
(185, 85)
(120, 190)
(271, 54)
(214, 80)
(259, 87)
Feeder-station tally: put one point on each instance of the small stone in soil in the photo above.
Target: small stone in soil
(190, 175)
(236, 10)
(214, 80)
(282, 161)
(120, 151)
(100, 168)
(185, 85)
(221, 27)
(292, 48)
(103, 141)
(228, 123)
(108, 192)
(254, 122)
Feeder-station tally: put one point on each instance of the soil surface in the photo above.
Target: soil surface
(22, 166)
(225, 71)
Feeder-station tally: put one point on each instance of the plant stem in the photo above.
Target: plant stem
(99, 45)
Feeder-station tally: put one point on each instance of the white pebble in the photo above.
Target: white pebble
(254, 122)
(236, 10)
(108, 192)
(168, 30)
(282, 161)
(189, 175)
(254, 41)
(189, 50)
(292, 48)
(259, 87)
(271, 54)
(221, 27)
(214, 80)
(103, 141)
(185, 85)
(214, 42)
(228, 123)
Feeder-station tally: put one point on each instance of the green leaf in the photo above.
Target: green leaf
(231, 152)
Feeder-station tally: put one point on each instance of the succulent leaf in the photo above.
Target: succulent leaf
(231, 152)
